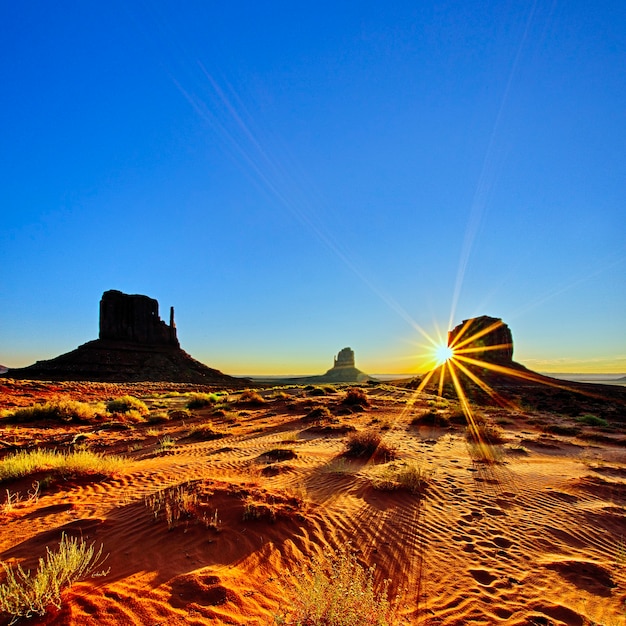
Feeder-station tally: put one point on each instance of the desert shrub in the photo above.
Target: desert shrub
(457, 417)
(430, 418)
(336, 590)
(316, 391)
(200, 400)
(318, 414)
(126, 404)
(54, 411)
(181, 502)
(75, 463)
(356, 397)
(408, 476)
(165, 443)
(367, 444)
(24, 594)
(592, 420)
(485, 431)
(204, 432)
(251, 398)
(160, 417)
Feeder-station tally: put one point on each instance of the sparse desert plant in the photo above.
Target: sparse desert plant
(54, 411)
(165, 443)
(251, 398)
(125, 404)
(336, 590)
(368, 444)
(592, 420)
(24, 594)
(316, 391)
(204, 432)
(318, 414)
(181, 502)
(411, 477)
(430, 418)
(482, 430)
(356, 396)
(200, 400)
(160, 417)
(67, 464)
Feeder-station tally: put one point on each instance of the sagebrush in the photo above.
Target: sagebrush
(24, 594)
(336, 590)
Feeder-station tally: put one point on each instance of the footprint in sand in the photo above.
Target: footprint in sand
(483, 577)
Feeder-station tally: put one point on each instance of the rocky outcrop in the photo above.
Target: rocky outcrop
(135, 318)
(345, 358)
(485, 338)
(134, 345)
(342, 371)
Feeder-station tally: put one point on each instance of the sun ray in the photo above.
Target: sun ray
(502, 401)
(456, 344)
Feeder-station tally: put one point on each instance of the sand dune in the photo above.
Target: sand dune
(535, 538)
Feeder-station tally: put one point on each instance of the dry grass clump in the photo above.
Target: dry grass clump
(318, 414)
(430, 418)
(54, 411)
(356, 397)
(204, 432)
(24, 594)
(200, 400)
(67, 464)
(250, 397)
(402, 476)
(368, 444)
(127, 404)
(181, 503)
(485, 431)
(335, 590)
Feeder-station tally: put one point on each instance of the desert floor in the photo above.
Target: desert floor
(536, 536)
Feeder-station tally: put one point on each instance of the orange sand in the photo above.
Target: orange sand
(539, 538)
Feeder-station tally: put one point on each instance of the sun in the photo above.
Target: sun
(443, 353)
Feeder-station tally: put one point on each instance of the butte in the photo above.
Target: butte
(134, 345)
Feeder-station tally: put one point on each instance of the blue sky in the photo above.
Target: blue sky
(295, 178)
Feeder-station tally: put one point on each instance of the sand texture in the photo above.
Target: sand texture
(536, 536)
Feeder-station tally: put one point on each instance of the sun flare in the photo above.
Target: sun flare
(443, 353)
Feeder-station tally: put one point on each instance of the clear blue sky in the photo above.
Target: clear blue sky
(298, 177)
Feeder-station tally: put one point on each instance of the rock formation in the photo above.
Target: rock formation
(135, 318)
(490, 333)
(345, 358)
(342, 371)
(134, 345)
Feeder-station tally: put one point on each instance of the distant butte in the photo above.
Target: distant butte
(134, 345)
(343, 371)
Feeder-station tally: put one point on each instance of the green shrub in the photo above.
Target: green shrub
(24, 594)
(125, 404)
(592, 420)
(336, 590)
(54, 411)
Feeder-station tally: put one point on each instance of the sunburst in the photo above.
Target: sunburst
(460, 360)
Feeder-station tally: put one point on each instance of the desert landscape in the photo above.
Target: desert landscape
(227, 505)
